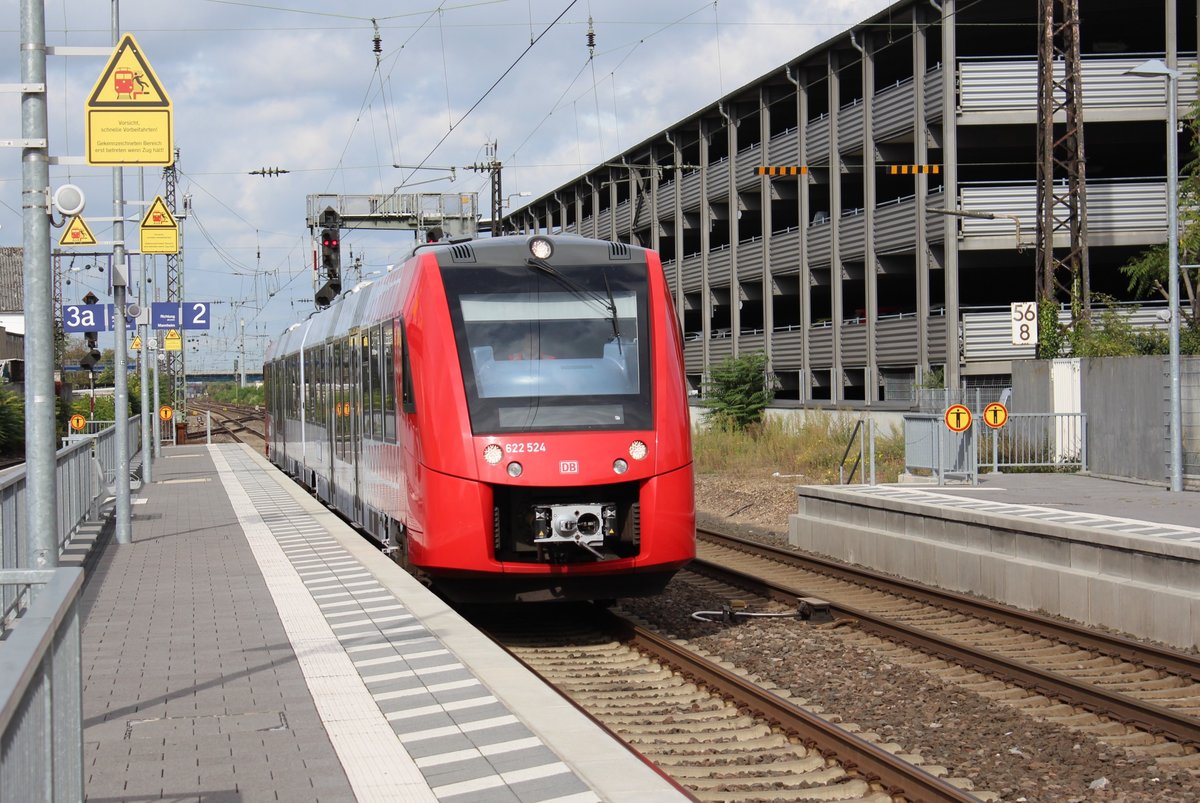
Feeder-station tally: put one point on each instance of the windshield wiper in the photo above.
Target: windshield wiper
(612, 306)
(609, 304)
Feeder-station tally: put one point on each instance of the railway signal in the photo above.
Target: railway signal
(331, 258)
(92, 356)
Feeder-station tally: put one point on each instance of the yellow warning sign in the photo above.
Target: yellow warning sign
(158, 216)
(78, 422)
(160, 231)
(77, 233)
(128, 115)
(172, 342)
(136, 345)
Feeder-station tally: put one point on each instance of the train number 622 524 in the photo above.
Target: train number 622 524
(522, 448)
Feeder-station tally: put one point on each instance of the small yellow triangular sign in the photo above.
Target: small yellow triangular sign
(172, 342)
(77, 233)
(136, 345)
(128, 80)
(158, 216)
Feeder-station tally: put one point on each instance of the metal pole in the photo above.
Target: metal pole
(157, 398)
(144, 359)
(871, 430)
(41, 520)
(242, 359)
(120, 277)
(1173, 278)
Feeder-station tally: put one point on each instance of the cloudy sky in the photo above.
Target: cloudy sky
(296, 85)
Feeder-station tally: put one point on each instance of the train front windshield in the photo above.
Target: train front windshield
(563, 349)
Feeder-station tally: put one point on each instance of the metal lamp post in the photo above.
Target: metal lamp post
(1154, 68)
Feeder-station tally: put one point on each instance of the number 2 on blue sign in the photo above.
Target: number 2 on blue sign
(197, 317)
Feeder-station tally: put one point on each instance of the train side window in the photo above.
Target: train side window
(366, 388)
(388, 375)
(407, 399)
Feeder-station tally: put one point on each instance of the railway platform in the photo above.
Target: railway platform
(1121, 555)
(248, 645)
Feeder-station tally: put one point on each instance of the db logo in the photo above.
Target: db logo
(568, 467)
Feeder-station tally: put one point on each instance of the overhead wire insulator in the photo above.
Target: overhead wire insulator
(376, 42)
(591, 38)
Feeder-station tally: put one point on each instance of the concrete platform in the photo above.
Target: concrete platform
(249, 646)
(1104, 552)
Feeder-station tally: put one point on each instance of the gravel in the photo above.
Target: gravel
(999, 749)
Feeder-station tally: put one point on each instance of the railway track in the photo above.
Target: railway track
(1128, 694)
(717, 733)
(240, 423)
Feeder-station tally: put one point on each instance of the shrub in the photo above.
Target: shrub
(738, 391)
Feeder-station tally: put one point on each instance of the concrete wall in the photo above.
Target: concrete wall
(1031, 387)
(1147, 586)
(1125, 399)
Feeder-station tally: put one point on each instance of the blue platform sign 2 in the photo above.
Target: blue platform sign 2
(167, 315)
(195, 315)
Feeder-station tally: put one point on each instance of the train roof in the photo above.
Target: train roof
(358, 304)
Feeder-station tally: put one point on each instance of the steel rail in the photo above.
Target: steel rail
(1147, 716)
(1152, 656)
(855, 754)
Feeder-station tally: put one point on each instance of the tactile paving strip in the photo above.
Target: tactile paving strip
(372, 665)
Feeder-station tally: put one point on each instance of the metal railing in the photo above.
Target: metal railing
(1037, 440)
(864, 433)
(1050, 441)
(82, 468)
(41, 689)
(930, 446)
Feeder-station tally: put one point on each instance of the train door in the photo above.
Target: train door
(329, 420)
(357, 390)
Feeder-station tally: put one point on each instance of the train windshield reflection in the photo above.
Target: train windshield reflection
(544, 357)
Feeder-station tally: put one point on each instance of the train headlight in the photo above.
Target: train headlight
(541, 248)
(514, 469)
(638, 450)
(492, 453)
(620, 466)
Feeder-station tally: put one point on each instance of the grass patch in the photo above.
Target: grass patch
(811, 449)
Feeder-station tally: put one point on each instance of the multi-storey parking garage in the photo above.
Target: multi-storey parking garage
(844, 265)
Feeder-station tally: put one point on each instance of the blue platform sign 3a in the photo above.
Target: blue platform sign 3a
(167, 315)
(85, 317)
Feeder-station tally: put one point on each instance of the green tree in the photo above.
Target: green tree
(738, 390)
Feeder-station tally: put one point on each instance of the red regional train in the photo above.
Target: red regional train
(507, 417)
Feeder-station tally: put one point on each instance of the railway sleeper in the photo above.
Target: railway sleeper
(758, 757)
(783, 764)
(671, 726)
(774, 781)
(699, 747)
(685, 736)
(656, 719)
